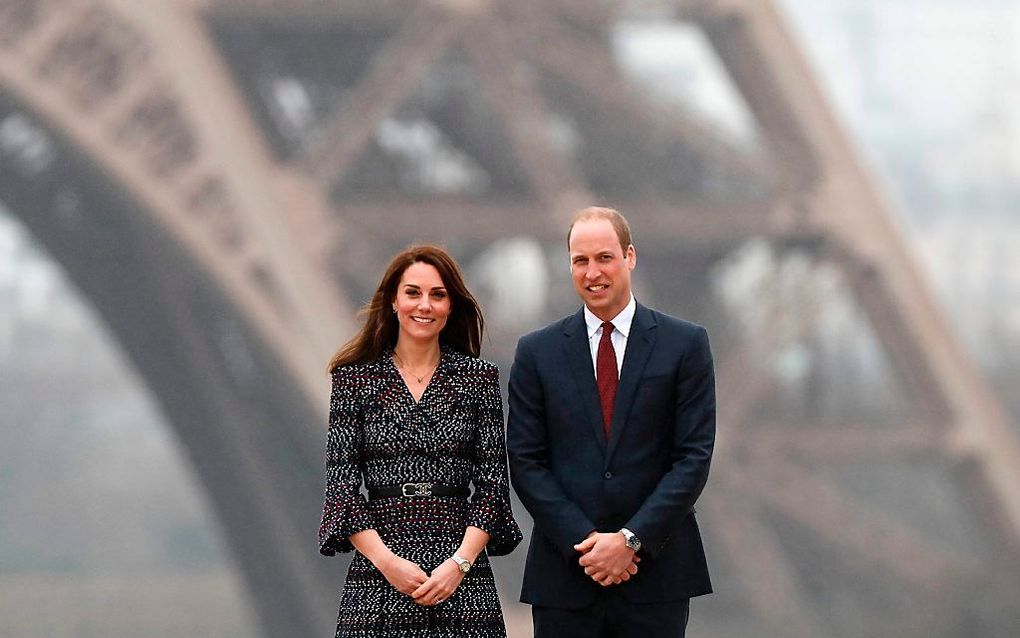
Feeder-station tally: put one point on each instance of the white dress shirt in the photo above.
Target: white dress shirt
(621, 329)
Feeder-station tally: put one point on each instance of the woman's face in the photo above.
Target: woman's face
(422, 303)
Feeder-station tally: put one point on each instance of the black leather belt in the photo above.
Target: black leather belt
(417, 489)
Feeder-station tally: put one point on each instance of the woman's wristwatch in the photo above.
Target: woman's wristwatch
(462, 563)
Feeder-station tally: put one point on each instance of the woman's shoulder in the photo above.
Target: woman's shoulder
(470, 366)
(357, 370)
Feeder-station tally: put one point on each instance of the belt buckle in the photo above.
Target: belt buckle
(416, 489)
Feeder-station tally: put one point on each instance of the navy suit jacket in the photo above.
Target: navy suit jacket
(646, 477)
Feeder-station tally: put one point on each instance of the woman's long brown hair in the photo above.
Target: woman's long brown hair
(464, 327)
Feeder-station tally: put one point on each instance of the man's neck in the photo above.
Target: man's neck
(610, 315)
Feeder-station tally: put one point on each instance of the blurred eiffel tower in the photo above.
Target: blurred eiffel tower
(225, 179)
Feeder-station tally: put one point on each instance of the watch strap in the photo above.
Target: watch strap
(631, 538)
(461, 562)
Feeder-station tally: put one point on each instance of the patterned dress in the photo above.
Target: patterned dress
(379, 435)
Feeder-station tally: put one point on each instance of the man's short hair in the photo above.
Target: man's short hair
(611, 215)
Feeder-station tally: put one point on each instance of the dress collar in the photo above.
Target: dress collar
(449, 359)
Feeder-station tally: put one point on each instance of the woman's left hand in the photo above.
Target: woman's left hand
(440, 585)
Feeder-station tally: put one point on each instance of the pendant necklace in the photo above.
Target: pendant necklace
(402, 366)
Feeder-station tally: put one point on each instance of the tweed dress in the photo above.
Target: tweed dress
(379, 436)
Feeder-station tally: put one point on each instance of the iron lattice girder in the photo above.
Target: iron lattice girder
(874, 540)
(194, 189)
(668, 224)
(556, 48)
(767, 578)
(141, 89)
(138, 88)
(514, 94)
(214, 377)
(313, 12)
(513, 75)
(844, 204)
(395, 72)
(847, 443)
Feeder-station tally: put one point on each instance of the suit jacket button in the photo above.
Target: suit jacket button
(609, 475)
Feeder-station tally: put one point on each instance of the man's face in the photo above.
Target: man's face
(600, 267)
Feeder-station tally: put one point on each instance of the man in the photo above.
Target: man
(610, 435)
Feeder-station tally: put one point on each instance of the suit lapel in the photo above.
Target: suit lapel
(640, 342)
(578, 353)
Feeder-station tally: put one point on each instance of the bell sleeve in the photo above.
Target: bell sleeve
(345, 510)
(490, 504)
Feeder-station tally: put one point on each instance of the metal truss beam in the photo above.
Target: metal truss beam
(395, 73)
(873, 540)
(669, 224)
(818, 159)
(558, 50)
(311, 11)
(176, 134)
(846, 443)
(514, 95)
(766, 576)
(139, 89)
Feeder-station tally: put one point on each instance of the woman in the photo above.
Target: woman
(417, 416)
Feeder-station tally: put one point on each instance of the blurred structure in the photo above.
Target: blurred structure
(225, 180)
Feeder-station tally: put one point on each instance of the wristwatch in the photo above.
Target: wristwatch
(462, 563)
(631, 538)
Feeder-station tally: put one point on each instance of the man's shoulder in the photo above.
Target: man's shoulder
(671, 323)
(674, 331)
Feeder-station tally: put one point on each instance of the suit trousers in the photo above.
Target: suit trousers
(612, 616)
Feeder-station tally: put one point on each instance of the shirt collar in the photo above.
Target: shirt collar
(621, 321)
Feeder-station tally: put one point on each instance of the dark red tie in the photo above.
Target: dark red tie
(607, 375)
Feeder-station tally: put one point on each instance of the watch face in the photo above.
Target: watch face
(463, 564)
(631, 539)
